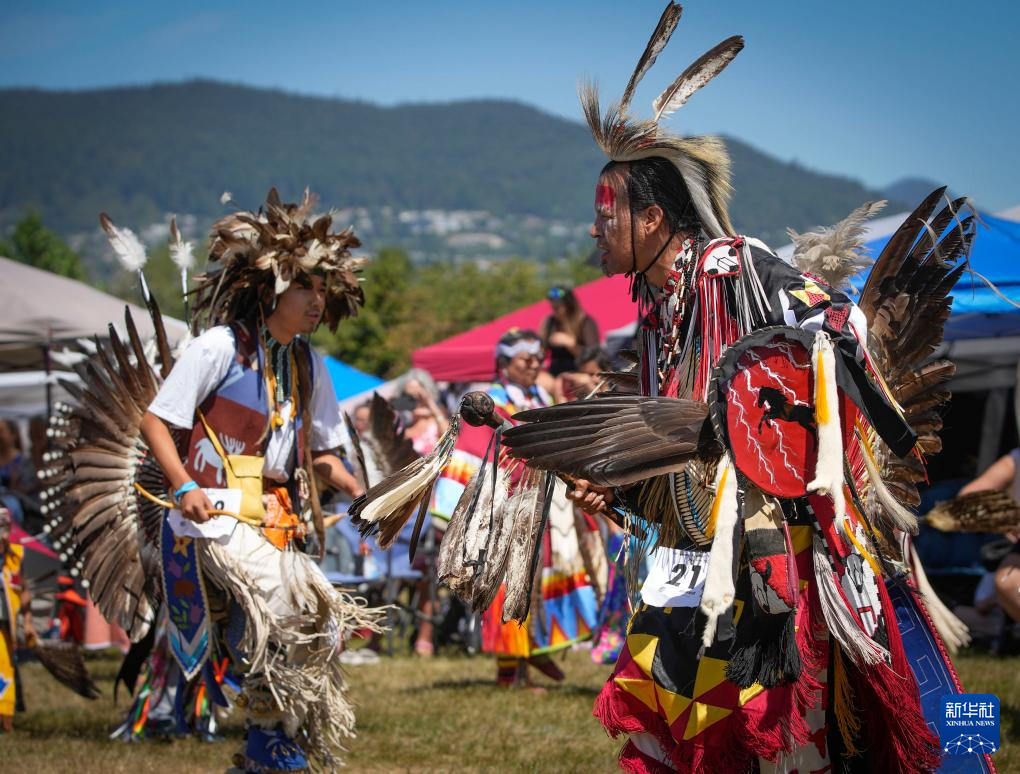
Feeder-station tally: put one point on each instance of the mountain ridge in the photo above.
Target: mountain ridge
(140, 152)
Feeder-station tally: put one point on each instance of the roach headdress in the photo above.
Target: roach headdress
(253, 251)
(702, 162)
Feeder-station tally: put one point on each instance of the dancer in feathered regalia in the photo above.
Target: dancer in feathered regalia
(195, 487)
(770, 441)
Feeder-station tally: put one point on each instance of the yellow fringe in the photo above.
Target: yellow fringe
(849, 723)
(851, 505)
(654, 502)
(717, 503)
(821, 392)
(865, 442)
(868, 557)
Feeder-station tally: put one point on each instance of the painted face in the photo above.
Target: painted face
(299, 308)
(523, 369)
(611, 227)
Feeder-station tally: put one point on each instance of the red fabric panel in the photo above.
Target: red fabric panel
(22, 538)
(471, 356)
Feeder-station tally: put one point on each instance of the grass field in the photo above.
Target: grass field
(443, 714)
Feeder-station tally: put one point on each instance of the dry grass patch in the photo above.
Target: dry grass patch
(443, 714)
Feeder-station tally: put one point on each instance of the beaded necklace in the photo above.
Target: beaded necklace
(281, 376)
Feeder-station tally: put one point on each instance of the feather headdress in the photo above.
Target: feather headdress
(702, 162)
(253, 251)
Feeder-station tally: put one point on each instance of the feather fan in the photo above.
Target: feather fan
(64, 661)
(906, 302)
(611, 441)
(519, 509)
(462, 551)
(521, 564)
(106, 531)
(387, 506)
(990, 511)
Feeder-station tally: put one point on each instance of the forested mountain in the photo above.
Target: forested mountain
(143, 152)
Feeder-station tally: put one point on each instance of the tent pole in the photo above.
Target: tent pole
(49, 387)
(991, 428)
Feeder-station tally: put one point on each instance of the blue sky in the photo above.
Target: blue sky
(875, 90)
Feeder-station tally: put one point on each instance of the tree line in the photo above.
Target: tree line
(406, 306)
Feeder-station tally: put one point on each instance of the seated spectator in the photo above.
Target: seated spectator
(1004, 475)
(425, 420)
(579, 383)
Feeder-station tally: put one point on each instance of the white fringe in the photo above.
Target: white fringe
(719, 590)
(829, 468)
(296, 659)
(953, 631)
(841, 622)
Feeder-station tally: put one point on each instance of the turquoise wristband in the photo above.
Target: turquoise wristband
(185, 488)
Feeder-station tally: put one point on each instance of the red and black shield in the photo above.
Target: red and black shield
(763, 409)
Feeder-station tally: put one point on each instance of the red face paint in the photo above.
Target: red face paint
(605, 198)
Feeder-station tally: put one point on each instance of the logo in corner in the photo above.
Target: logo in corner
(969, 724)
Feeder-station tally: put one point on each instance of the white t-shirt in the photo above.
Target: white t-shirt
(202, 367)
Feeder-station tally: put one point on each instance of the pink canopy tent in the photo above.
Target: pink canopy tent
(470, 356)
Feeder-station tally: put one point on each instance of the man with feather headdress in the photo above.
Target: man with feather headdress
(767, 445)
(224, 452)
(769, 412)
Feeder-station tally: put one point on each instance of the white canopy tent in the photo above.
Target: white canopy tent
(42, 313)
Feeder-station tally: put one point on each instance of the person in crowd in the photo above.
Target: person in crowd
(565, 606)
(13, 599)
(567, 332)
(581, 382)
(985, 617)
(15, 473)
(426, 421)
(1004, 476)
(361, 415)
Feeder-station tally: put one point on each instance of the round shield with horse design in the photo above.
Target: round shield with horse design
(763, 409)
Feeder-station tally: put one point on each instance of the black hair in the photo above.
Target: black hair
(510, 338)
(598, 354)
(656, 180)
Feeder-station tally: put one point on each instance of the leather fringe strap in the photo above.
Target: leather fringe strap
(720, 589)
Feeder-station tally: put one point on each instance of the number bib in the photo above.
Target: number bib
(217, 526)
(676, 578)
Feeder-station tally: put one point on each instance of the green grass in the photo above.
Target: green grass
(443, 714)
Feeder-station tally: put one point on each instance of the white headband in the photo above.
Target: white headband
(509, 351)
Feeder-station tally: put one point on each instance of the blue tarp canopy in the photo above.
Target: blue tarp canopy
(349, 381)
(978, 312)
